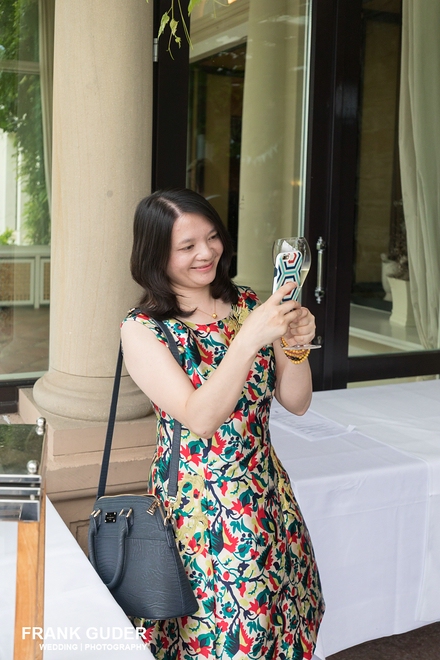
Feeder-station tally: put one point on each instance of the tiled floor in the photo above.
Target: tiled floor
(372, 332)
(420, 644)
(24, 340)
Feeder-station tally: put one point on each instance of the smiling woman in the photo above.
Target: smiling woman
(195, 252)
(242, 538)
(161, 240)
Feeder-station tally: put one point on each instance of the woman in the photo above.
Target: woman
(242, 537)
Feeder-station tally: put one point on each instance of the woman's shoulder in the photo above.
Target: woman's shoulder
(137, 315)
(176, 327)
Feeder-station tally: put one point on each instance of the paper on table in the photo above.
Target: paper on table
(311, 426)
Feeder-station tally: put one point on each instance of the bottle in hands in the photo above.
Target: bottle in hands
(292, 259)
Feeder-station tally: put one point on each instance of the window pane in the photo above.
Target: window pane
(24, 209)
(381, 314)
(216, 112)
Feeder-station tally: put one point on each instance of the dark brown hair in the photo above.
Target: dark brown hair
(153, 225)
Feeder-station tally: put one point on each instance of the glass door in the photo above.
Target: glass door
(293, 128)
(249, 80)
(370, 314)
(385, 318)
(381, 311)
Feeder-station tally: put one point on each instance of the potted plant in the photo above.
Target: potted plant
(398, 276)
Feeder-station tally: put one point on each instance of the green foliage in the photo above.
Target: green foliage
(192, 4)
(20, 111)
(7, 238)
(168, 19)
(18, 444)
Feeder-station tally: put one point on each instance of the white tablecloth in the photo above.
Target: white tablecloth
(371, 501)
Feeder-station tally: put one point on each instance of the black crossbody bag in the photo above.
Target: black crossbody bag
(131, 540)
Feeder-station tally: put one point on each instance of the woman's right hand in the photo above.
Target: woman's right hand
(270, 320)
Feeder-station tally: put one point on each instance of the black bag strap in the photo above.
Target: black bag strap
(175, 448)
(110, 426)
(173, 473)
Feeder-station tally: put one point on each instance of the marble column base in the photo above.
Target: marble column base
(88, 398)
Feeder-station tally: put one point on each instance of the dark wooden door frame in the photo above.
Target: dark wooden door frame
(170, 104)
(331, 178)
(336, 61)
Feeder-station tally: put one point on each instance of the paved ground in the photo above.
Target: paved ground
(24, 340)
(420, 644)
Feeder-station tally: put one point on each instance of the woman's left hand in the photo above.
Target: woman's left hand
(302, 329)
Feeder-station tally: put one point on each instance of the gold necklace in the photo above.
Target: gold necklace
(212, 314)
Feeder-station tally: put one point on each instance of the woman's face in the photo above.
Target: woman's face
(196, 249)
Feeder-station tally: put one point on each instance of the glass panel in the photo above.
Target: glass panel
(216, 112)
(24, 209)
(247, 117)
(381, 318)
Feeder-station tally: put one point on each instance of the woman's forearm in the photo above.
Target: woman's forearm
(293, 383)
(210, 405)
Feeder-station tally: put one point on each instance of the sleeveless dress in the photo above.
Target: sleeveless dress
(240, 532)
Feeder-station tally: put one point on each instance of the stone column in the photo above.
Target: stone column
(271, 136)
(101, 169)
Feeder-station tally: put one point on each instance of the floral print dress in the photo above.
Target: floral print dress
(242, 537)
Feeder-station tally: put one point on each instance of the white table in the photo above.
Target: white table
(81, 619)
(371, 500)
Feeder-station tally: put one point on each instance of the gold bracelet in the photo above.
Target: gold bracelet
(296, 356)
(297, 359)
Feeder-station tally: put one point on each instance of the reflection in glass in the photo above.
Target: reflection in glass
(381, 316)
(247, 136)
(216, 110)
(24, 207)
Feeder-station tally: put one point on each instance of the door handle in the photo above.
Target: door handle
(319, 290)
